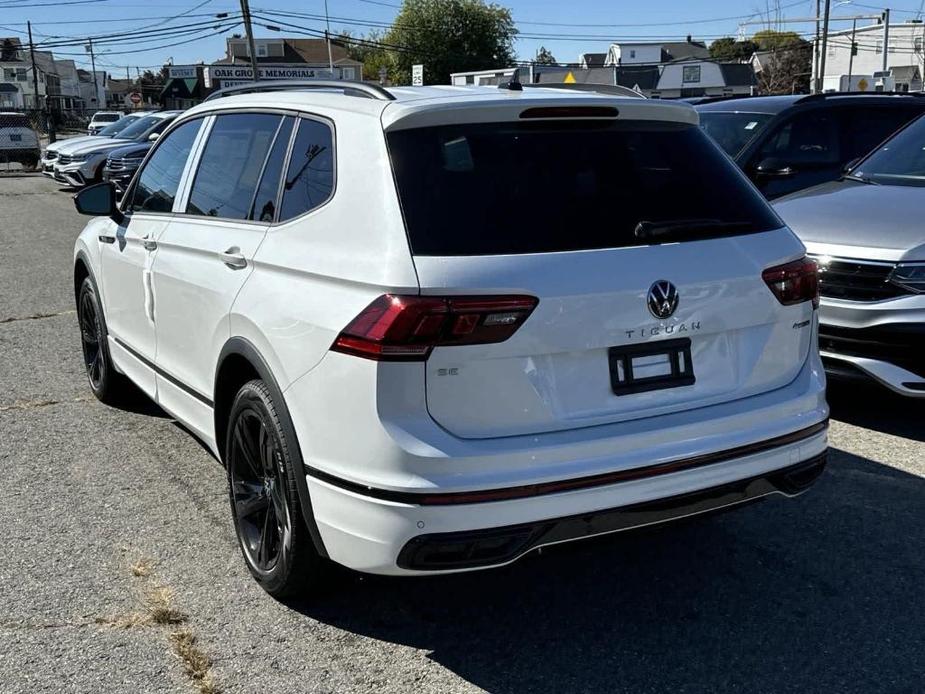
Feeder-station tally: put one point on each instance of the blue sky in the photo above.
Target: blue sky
(553, 23)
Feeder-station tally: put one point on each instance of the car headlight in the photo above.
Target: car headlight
(79, 157)
(910, 276)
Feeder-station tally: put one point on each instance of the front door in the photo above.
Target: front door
(127, 253)
(206, 254)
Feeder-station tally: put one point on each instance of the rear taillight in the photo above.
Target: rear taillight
(407, 328)
(794, 283)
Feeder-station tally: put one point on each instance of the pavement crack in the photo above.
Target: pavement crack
(37, 316)
(36, 404)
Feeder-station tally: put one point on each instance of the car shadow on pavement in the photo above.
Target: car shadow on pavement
(817, 594)
(871, 406)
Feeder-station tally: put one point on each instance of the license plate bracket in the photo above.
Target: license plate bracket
(667, 364)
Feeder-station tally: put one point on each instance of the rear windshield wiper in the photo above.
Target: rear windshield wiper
(859, 179)
(655, 230)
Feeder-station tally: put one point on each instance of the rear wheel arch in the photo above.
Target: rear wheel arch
(239, 362)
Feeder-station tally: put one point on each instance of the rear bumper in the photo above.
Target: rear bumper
(479, 548)
(379, 533)
(19, 153)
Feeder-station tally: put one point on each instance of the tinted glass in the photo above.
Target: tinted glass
(732, 131)
(900, 161)
(865, 128)
(808, 139)
(106, 117)
(310, 178)
(501, 188)
(160, 178)
(117, 127)
(140, 127)
(264, 208)
(230, 166)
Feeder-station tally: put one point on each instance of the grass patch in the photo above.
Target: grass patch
(142, 568)
(196, 664)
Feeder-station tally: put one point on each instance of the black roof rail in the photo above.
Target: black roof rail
(697, 100)
(828, 95)
(348, 87)
(611, 89)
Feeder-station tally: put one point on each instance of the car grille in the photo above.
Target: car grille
(857, 280)
(64, 159)
(902, 344)
(122, 164)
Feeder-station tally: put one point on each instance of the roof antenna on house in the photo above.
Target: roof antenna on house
(513, 84)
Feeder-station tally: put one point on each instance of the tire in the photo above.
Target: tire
(265, 505)
(107, 384)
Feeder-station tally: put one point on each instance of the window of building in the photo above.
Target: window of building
(690, 73)
(348, 73)
(230, 165)
(632, 53)
(310, 178)
(21, 75)
(917, 44)
(261, 50)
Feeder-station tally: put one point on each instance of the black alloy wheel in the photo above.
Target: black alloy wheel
(91, 339)
(258, 491)
(262, 461)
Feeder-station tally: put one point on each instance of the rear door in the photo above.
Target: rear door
(551, 210)
(205, 255)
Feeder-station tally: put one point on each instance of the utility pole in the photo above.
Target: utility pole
(96, 83)
(327, 37)
(817, 82)
(886, 36)
(249, 30)
(35, 72)
(825, 44)
(854, 26)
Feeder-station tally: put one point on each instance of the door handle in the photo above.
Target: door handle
(149, 245)
(107, 239)
(233, 258)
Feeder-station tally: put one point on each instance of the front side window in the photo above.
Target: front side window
(808, 139)
(231, 163)
(159, 180)
(553, 186)
(310, 177)
(900, 160)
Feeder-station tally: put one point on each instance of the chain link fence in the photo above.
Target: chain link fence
(24, 133)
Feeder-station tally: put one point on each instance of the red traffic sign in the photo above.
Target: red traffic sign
(135, 98)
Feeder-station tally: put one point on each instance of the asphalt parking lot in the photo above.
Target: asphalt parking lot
(100, 506)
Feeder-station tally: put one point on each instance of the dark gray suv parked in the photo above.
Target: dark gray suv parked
(787, 143)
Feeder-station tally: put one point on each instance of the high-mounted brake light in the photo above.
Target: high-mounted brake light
(407, 328)
(795, 282)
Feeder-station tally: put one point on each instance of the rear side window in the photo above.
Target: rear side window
(231, 163)
(506, 188)
(264, 207)
(310, 177)
(160, 177)
(865, 128)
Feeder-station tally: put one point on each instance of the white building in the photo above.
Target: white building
(651, 53)
(905, 56)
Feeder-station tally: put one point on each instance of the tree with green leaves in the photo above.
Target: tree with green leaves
(448, 36)
(545, 57)
(731, 51)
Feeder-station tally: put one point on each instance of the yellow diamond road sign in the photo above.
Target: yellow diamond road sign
(862, 85)
(569, 78)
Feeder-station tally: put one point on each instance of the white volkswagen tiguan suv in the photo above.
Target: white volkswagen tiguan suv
(432, 329)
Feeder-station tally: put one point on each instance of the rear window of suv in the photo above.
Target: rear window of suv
(540, 187)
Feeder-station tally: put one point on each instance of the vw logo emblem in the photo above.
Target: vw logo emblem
(662, 299)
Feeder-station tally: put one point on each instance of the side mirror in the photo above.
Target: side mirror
(153, 136)
(772, 166)
(99, 201)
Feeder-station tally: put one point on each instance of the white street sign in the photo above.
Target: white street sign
(417, 75)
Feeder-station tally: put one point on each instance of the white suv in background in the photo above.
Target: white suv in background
(432, 329)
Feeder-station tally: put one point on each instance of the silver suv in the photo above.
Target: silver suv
(866, 233)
